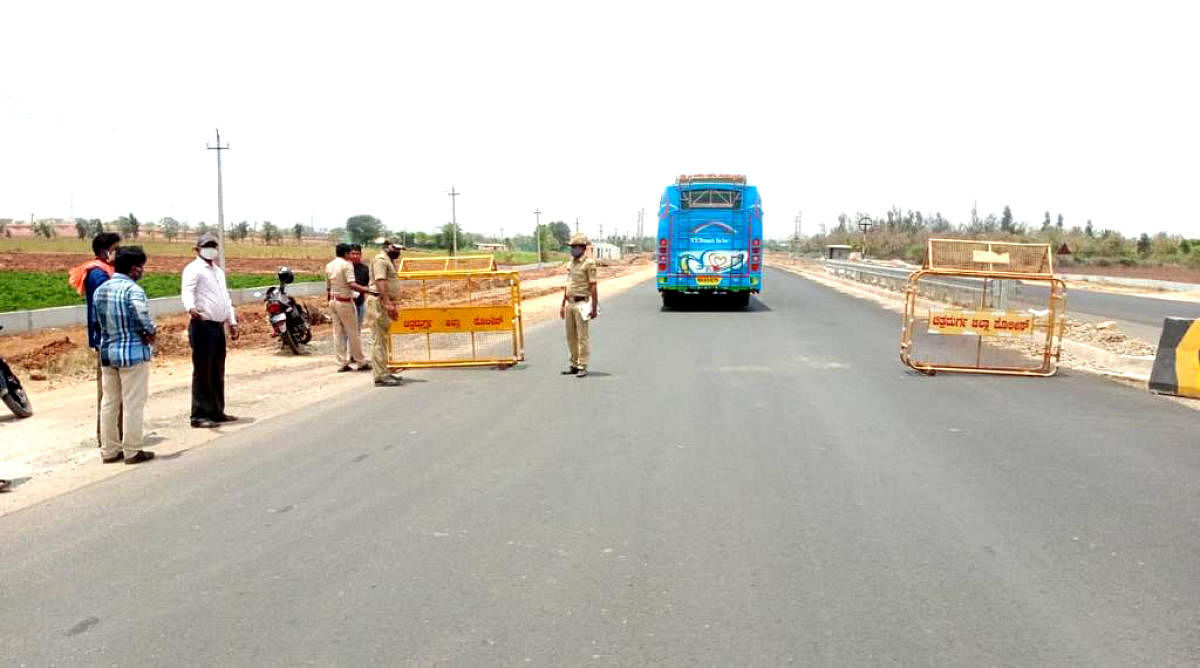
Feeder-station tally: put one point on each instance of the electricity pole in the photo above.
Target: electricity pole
(796, 235)
(537, 232)
(453, 221)
(220, 199)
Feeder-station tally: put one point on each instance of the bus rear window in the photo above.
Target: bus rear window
(711, 199)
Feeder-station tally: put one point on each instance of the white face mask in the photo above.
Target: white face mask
(209, 254)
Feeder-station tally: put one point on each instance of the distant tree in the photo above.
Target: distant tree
(336, 235)
(1060, 221)
(446, 234)
(550, 241)
(1185, 247)
(170, 228)
(82, 230)
(560, 232)
(364, 228)
(201, 228)
(298, 232)
(4, 223)
(270, 232)
(1089, 230)
(44, 228)
(240, 231)
(1143, 245)
(1006, 220)
(129, 226)
(1046, 221)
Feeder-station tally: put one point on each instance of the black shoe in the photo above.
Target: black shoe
(363, 367)
(582, 373)
(570, 371)
(226, 418)
(204, 423)
(114, 459)
(141, 456)
(344, 369)
(389, 381)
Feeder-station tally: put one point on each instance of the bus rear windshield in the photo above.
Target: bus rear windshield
(711, 199)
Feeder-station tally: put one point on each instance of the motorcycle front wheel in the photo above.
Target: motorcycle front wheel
(16, 399)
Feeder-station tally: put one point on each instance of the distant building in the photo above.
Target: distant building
(837, 251)
(491, 247)
(25, 230)
(602, 250)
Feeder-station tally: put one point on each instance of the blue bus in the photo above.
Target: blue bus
(710, 239)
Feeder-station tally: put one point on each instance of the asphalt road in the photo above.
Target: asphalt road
(729, 488)
(1141, 316)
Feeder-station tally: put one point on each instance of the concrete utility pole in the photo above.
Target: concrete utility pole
(537, 232)
(796, 235)
(453, 221)
(220, 198)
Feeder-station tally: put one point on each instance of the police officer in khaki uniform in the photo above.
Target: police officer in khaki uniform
(579, 306)
(340, 288)
(383, 307)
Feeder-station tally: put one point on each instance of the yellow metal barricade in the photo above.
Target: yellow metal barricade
(457, 317)
(976, 326)
(447, 263)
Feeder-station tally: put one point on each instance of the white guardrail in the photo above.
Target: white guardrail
(964, 291)
(16, 322)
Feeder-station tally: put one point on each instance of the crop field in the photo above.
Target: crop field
(21, 290)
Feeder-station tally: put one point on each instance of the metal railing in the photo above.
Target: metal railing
(965, 292)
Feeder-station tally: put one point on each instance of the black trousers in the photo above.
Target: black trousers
(208, 369)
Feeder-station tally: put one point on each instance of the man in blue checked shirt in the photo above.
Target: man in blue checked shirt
(126, 334)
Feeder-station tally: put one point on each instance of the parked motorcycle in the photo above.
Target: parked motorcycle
(11, 391)
(289, 318)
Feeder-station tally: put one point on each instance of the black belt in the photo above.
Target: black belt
(579, 299)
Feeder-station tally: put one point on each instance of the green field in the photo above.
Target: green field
(23, 290)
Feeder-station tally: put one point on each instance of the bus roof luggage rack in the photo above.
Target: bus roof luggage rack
(688, 179)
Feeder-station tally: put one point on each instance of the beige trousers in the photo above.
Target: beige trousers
(345, 331)
(578, 341)
(125, 390)
(379, 322)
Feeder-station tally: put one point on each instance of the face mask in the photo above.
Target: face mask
(576, 251)
(393, 254)
(209, 254)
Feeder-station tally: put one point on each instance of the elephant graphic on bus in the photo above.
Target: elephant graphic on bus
(711, 262)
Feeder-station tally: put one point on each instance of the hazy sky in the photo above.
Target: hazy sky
(1089, 109)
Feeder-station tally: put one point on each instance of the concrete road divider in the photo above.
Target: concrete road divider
(1177, 363)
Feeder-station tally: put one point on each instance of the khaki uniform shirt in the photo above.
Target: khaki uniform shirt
(383, 267)
(580, 273)
(339, 274)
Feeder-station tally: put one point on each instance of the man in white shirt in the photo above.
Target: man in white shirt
(207, 302)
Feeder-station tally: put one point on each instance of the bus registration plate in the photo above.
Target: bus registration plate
(708, 280)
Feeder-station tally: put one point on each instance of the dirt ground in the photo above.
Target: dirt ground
(54, 451)
(1170, 273)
